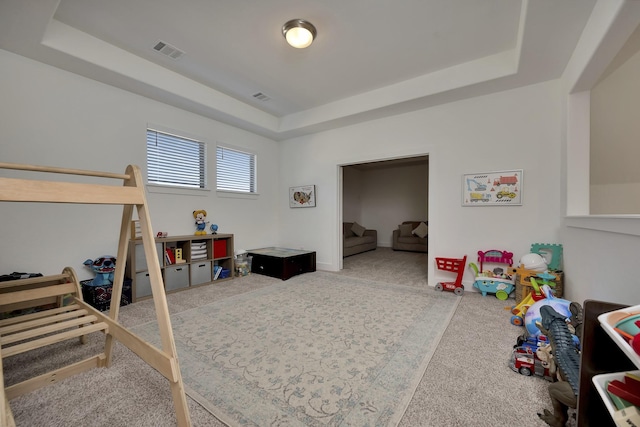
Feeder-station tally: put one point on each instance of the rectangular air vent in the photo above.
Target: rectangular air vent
(261, 96)
(168, 50)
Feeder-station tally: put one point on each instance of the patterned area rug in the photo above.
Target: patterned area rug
(320, 349)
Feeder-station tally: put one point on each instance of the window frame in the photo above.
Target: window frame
(230, 192)
(178, 188)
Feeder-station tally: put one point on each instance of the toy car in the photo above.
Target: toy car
(525, 361)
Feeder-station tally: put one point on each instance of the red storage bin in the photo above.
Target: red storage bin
(219, 248)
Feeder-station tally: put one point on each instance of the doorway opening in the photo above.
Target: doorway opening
(380, 195)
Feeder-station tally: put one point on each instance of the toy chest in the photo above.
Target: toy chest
(524, 288)
(99, 297)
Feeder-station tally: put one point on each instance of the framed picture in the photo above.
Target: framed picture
(502, 188)
(302, 197)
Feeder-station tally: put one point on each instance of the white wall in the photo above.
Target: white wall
(600, 252)
(615, 175)
(516, 129)
(351, 195)
(48, 116)
(391, 195)
(51, 117)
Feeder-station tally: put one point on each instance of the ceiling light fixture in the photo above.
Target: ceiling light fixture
(299, 33)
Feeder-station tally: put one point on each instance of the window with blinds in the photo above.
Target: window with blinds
(236, 170)
(175, 161)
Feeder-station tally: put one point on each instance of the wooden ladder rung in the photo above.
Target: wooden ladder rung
(37, 315)
(33, 294)
(52, 339)
(30, 324)
(56, 278)
(46, 329)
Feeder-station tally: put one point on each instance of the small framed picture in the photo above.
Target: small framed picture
(502, 188)
(302, 197)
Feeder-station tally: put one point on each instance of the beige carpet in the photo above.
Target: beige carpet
(467, 382)
(319, 349)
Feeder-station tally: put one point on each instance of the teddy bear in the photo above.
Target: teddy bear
(200, 216)
(104, 267)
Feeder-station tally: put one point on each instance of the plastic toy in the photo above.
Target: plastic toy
(201, 224)
(493, 281)
(520, 309)
(531, 356)
(214, 228)
(552, 254)
(533, 262)
(527, 362)
(454, 265)
(563, 393)
(104, 267)
(635, 343)
(533, 315)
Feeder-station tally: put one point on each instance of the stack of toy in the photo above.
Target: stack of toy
(543, 258)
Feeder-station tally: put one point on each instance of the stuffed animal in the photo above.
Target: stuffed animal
(201, 224)
(104, 267)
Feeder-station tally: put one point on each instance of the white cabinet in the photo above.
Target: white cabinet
(609, 322)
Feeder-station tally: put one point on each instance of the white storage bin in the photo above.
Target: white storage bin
(176, 277)
(141, 261)
(608, 322)
(200, 272)
(143, 285)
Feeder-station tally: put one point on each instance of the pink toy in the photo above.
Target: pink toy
(495, 256)
(497, 281)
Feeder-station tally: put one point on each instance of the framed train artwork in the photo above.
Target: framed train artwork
(502, 188)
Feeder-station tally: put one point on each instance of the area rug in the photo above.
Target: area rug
(320, 349)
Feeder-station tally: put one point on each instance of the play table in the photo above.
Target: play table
(282, 263)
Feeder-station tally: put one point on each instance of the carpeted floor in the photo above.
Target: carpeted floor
(318, 349)
(466, 383)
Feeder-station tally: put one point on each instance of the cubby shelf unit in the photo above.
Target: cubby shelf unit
(201, 256)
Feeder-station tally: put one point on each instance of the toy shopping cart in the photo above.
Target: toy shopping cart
(454, 265)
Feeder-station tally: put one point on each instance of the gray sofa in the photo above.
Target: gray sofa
(353, 244)
(404, 240)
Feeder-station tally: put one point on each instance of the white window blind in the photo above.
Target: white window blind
(236, 170)
(175, 161)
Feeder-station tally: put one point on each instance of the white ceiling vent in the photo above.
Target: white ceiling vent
(261, 96)
(168, 50)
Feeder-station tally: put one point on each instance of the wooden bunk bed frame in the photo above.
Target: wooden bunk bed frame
(30, 331)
